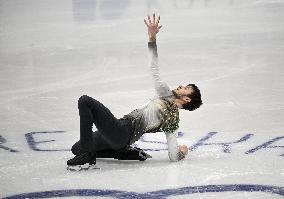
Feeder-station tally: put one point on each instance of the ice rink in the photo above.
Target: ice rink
(52, 52)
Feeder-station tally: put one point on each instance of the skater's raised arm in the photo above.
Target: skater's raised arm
(162, 89)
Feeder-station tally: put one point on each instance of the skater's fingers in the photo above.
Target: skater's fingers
(146, 23)
(160, 27)
(158, 21)
(149, 19)
(154, 18)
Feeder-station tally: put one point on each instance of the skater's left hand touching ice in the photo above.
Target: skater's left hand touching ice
(153, 27)
(183, 149)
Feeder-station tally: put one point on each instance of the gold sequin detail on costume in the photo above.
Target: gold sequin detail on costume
(170, 117)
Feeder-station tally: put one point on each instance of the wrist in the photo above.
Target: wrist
(152, 39)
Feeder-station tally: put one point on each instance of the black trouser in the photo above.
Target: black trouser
(112, 133)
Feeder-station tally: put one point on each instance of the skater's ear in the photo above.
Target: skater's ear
(186, 99)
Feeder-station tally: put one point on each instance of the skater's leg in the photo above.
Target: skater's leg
(115, 132)
(112, 133)
(127, 153)
(103, 150)
(86, 123)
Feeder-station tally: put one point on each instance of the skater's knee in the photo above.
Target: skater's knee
(83, 100)
(76, 148)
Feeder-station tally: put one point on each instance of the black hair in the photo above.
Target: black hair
(195, 97)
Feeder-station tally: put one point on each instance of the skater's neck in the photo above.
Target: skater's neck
(178, 102)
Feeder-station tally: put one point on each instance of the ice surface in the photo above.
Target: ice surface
(52, 52)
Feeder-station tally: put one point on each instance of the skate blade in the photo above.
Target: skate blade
(144, 155)
(84, 167)
(93, 166)
(148, 156)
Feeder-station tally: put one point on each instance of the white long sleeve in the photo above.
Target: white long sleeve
(161, 88)
(173, 152)
(172, 146)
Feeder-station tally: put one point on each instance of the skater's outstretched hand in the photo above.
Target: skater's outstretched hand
(153, 27)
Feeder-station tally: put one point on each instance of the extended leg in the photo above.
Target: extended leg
(127, 153)
(98, 144)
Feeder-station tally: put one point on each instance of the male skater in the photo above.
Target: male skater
(114, 136)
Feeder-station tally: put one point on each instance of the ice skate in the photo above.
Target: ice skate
(82, 161)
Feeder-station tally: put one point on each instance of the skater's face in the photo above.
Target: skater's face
(182, 91)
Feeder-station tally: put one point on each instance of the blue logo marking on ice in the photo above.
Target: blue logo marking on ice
(34, 144)
(2, 141)
(226, 146)
(161, 194)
